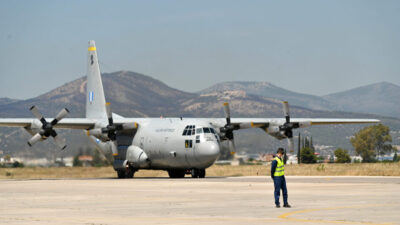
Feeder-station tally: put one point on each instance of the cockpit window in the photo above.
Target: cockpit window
(199, 131)
(189, 130)
(206, 130)
(212, 130)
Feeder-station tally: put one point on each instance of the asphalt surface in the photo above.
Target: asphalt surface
(214, 200)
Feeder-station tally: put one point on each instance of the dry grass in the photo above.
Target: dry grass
(360, 169)
(372, 169)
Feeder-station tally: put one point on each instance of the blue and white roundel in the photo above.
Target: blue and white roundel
(91, 96)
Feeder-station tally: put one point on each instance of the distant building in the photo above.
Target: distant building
(292, 159)
(86, 160)
(266, 157)
(356, 159)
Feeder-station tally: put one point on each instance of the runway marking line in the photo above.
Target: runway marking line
(285, 216)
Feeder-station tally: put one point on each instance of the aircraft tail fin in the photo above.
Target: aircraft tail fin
(95, 99)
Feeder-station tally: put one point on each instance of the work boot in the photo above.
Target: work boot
(277, 206)
(287, 205)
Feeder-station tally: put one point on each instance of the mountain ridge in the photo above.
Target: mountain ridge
(137, 95)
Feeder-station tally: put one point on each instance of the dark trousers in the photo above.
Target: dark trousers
(280, 183)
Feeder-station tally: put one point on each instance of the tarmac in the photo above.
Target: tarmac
(213, 200)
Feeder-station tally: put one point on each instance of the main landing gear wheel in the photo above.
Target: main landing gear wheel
(176, 173)
(198, 173)
(128, 173)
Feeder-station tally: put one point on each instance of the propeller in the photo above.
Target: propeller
(47, 128)
(111, 130)
(287, 127)
(228, 129)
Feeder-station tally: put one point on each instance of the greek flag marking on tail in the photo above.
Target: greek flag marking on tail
(91, 96)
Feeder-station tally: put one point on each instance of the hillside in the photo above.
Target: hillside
(4, 101)
(269, 90)
(380, 98)
(137, 95)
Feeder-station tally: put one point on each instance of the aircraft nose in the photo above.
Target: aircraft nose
(208, 152)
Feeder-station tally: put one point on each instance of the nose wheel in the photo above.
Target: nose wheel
(127, 173)
(198, 173)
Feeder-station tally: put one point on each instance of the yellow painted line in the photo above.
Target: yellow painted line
(115, 154)
(92, 48)
(285, 216)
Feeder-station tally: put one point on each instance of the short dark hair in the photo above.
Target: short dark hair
(280, 150)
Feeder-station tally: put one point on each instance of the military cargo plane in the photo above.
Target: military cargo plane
(178, 145)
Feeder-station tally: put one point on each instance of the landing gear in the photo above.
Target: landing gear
(127, 173)
(198, 173)
(176, 173)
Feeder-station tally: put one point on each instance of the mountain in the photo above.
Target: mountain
(380, 98)
(4, 101)
(136, 95)
(269, 90)
(131, 94)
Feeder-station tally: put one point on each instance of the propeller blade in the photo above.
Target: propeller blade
(231, 146)
(114, 148)
(63, 113)
(35, 111)
(109, 113)
(291, 144)
(227, 113)
(53, 133)
(60, 142)
(286, 111)
(35, 138)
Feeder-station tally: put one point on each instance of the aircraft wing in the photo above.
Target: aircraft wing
(71, 123)
(244, 123)
(312, 121)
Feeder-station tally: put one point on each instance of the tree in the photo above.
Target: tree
(311, 144)
(307, 155)
(342, 156)
(98, 159)
(372, 141)
(298, 150)
(396, 157)
(76, 161)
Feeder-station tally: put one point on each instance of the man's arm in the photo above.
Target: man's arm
(273, 168)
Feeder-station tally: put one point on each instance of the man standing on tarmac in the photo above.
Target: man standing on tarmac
(278, 176)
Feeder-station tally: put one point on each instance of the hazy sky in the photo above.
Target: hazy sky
(315, 47)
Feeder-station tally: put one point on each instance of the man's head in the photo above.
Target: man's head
(280, 152)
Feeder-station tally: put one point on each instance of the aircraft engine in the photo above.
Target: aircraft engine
(136, 156)
(110, 132)
(273, 129)
(46, 129)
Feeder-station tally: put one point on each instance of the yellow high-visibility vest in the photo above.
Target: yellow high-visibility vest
(280, 168)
